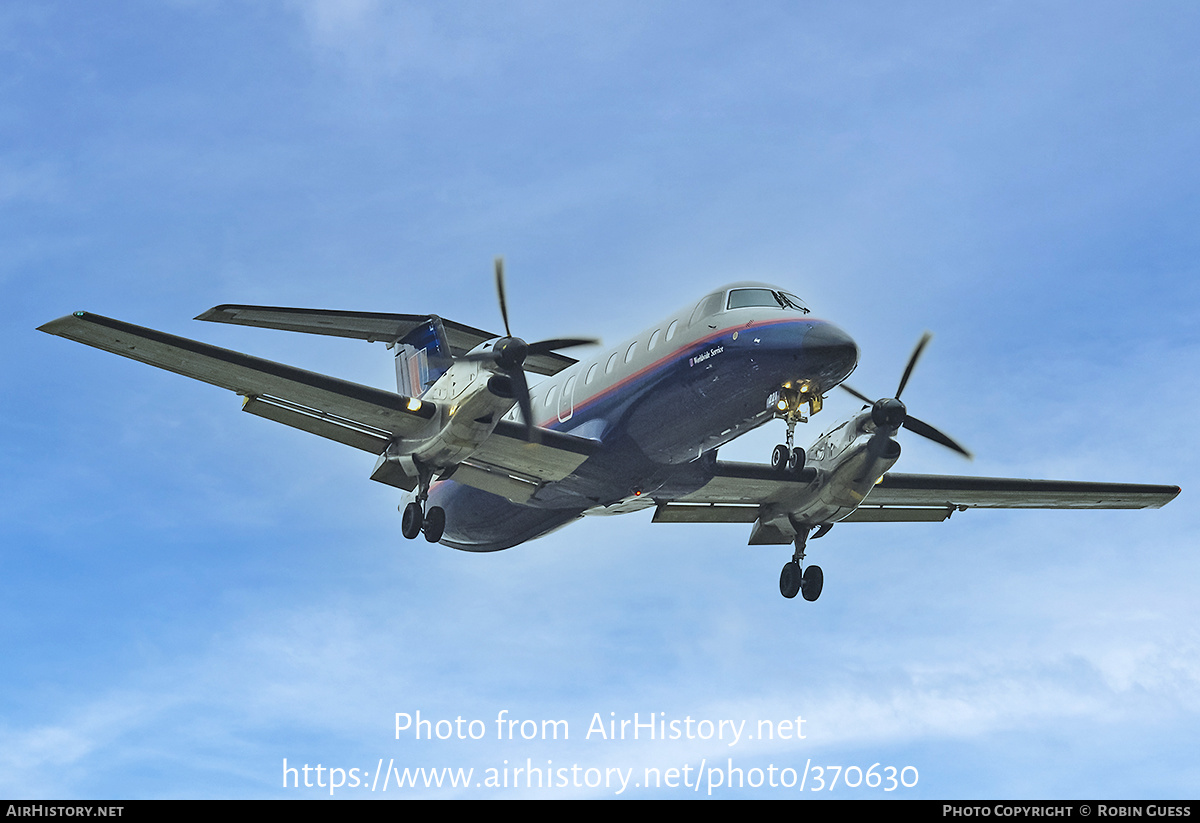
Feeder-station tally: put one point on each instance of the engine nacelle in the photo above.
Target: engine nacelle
(847, 462)
(469, 409)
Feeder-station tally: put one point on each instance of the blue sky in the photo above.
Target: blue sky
(189, 595)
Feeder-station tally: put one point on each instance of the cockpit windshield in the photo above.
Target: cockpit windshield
(764, 298)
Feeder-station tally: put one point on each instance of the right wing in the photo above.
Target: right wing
(361, 416)
(350, 413)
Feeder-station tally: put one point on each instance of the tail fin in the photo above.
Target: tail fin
(422, 356)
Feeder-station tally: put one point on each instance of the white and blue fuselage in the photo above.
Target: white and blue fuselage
(659, 405)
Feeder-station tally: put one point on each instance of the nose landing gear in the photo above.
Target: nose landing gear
(788, 403)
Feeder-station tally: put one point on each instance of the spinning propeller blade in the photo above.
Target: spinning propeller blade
(500, 291)
(508, 355)
(890, 413)
(912, 361)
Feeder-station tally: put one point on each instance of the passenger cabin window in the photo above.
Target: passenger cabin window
(653, 340)
(629, 354)
(671, 329)
(612, 361)
(591, 372)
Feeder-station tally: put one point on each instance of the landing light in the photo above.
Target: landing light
(781, 405)
(414, 404)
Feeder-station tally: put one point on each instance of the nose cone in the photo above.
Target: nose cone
(832, 352)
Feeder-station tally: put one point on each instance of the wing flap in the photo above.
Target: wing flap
(497, 480)
(743, 483)
(712, 513)
(322, 398)
(898, 514)
(314, 421)
(549, 457)
(704, 513)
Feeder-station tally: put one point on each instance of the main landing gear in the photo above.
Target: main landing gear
(793, 581)
(417, 520)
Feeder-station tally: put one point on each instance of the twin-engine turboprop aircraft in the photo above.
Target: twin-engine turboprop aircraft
(636, 426)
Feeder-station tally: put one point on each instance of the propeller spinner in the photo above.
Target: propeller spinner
(508, 355)
(890, 414)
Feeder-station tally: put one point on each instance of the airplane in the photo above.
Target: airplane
(492, 461)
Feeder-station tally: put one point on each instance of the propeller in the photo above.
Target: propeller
(508, 355)
(890, 414)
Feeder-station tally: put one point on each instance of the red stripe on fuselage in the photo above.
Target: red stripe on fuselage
(583, 404)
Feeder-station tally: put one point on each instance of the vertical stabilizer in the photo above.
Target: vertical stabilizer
(422, 356)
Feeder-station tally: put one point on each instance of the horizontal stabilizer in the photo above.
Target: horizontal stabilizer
(372, 327)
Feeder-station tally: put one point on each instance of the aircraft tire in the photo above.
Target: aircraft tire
(796, 461)
(779, 458)
(410, 524)
(812, 583)
(790, 579)
(435, 524)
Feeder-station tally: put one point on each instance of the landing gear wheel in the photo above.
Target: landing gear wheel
(790, 580)
(435, 524)
(811, 584)
(780, 458)
(796, 461)
(410, 524)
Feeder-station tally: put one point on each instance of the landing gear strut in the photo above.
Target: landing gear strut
(787, 457)
(417, 520)
(793, 581)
